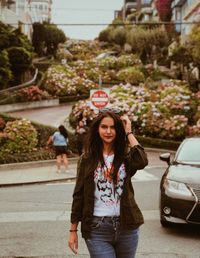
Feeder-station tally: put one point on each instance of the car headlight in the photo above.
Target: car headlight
(177, 190)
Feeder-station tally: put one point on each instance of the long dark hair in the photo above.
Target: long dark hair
(94, 146)
(63, 131)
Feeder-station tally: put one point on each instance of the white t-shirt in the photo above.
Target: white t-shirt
(107, 199)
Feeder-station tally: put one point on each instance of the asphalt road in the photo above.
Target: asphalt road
(34, 222)
(53, 116)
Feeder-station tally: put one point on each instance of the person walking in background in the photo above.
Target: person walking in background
(103, 198)
(60, 140)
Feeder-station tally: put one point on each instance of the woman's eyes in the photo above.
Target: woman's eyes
(106, 127)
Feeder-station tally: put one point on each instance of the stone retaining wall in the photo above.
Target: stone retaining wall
(29, 105)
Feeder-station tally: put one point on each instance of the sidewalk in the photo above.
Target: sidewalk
(45, 171)
(35, 172)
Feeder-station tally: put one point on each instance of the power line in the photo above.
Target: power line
(70, 9)
(117, 24)
(80, 9)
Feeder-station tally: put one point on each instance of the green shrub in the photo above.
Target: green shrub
(119, 36)
(104, 35)
(131, 75)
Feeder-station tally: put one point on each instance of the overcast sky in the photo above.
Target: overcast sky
(84, 11)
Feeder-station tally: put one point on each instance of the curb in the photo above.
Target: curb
(35, 164)
(158, 150)
(38, 182)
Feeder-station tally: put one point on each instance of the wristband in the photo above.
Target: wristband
(73, 230)
(127, 134)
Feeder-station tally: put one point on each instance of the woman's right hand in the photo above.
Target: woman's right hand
(73, 242)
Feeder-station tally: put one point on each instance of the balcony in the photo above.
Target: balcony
(178, 3)
(131, 5)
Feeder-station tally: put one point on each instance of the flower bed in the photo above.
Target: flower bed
(167, 110)
(64, 81)
(81, 76)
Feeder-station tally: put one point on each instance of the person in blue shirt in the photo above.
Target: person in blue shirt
(60, 140)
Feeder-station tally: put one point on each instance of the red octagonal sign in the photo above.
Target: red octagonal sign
(99, 98)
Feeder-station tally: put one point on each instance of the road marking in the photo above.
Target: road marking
(61, 183)
(30, 216)
(140, 176)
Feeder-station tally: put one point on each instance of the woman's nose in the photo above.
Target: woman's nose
(108, 130)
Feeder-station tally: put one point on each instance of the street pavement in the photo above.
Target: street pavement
(45, 171)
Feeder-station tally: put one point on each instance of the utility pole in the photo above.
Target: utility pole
(124, 11)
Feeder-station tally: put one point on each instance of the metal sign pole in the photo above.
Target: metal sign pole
(100, 81)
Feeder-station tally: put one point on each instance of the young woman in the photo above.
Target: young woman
(103, 198)
(60, 141)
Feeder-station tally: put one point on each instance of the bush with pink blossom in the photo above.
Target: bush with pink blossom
(31, 93)
(21, 137)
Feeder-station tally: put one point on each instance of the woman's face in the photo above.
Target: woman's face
(107, 130)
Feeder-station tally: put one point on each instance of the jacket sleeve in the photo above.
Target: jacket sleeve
(78, 196)
(136, 159)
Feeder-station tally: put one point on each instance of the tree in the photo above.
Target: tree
(5, 72)
(165, 13)
(38, 38)
(13, 64)
(182, 55)
(18, 39)
(46, 38)
(20, 60)
(164, 9)
(194, 44)
(53, 36)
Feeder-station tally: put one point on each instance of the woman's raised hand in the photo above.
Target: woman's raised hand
(127, 123)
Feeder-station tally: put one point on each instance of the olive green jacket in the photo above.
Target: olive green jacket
(83, 196)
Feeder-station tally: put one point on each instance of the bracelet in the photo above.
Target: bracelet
(127, 134)
(73, 230)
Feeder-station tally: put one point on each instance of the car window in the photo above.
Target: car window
(189, 151)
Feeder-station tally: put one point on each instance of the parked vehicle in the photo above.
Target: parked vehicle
(106, 54)
(180, 185)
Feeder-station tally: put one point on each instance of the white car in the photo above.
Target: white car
(106, 54)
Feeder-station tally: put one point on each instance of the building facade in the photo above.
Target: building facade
(185, 13)
(40, 10)
(24, 13)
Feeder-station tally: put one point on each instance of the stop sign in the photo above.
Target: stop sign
(99, 98)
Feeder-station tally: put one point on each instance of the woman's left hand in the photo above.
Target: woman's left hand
(127, 123)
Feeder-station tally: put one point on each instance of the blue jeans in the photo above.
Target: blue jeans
(109, 241)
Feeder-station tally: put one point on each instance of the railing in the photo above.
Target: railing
(23, 85)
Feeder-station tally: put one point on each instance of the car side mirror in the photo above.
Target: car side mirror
(165, 157)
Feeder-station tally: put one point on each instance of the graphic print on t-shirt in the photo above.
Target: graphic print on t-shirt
(105, 191)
